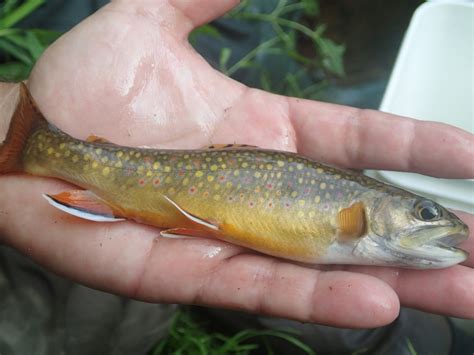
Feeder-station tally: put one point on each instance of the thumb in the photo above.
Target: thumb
(193, 12)
(203, 11)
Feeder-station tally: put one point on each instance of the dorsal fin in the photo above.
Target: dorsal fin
(96, 139)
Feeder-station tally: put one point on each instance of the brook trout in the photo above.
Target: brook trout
(277, 203)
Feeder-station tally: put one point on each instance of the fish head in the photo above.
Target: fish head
(414, 232)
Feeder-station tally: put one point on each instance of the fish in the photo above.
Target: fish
(274, 202)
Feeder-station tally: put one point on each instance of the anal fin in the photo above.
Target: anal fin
(83, 204)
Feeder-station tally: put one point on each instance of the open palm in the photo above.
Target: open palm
(128, 74)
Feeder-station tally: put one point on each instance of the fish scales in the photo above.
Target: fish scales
(275, 202)
(277, 199)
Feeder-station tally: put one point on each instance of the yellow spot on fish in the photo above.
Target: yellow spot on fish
(291, 168)
(217, 197)
(317, 199)
(210, 178)
(213, 167)
(50, 151)
(312, 214)
(94, 164)
(98, 150)
(106, 171)
(320, 170)
(105, 159)
(119, 154)
(167, 169)
(257, 174)
(189, 167)
(217, 187)
(257, 189)
(299, 166)
(219, 159)
(62, 146)
(186, 156)
(322, 186)
(75, 158)
(40, 146)
(67, 153)
(280, 163)
(245, 164)
(168, 179)
(57, 155)
(223, 166)
(86, 157)
(149, 173)
(300, 214)
(312, 182)
(278, 175)
(337, 177)
(118, 164)
(294, 194)
(156, 165)
(171, 190)
(269, 166)
(236, 173)
(141, 169)
(138, 155)
(208, 159)
(185, 181)
(301, 202)
(327, 195)
(201, 184)
(300, 180)
(228, 185)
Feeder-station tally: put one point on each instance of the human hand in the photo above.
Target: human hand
(128, 74)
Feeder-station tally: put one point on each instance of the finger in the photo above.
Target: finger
(468, 245)
(356, 138)
(131, 260)
(181, 15)
(203, 11)
(445, 291)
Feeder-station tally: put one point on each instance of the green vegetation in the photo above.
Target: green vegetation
(20, 48)
(189, 335)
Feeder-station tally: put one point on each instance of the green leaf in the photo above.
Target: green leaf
(14, 71)
(46, 37)
(16, 15)
(34, 46)
(205, 30)
(15, 51)
(311, 7)
(224, 57)
(332, 55)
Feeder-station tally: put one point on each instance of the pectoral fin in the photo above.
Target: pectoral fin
(84, 204)
(351, 221)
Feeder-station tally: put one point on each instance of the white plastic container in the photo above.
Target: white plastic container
(433, 79)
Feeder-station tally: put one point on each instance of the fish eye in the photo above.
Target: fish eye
(427, 211)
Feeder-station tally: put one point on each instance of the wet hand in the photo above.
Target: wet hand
(128, 74)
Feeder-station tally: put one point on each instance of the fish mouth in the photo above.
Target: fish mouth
(432, 247)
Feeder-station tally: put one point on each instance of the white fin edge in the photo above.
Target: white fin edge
(191, 217)
(81, 214)
(175, 236)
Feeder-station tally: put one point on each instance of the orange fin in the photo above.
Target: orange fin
(24, 121)
(207, 225)
(351, 221)
(84, 204)
(230, 146)
(96, 139)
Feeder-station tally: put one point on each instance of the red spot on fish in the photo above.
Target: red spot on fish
(269, 186)
(270, 204)
(156, 182)
(147, 160)
(287, 205)
(230, 198)
(251, 204)
(181, 173)
(232, 162)
(141, 182)
(192, 190)
(221, 178)
(206, 193)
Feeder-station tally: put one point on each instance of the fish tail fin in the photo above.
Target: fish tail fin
(25, 120)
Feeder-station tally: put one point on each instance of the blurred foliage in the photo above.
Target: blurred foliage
(298, 36)
(20, 48)
(189, 335)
